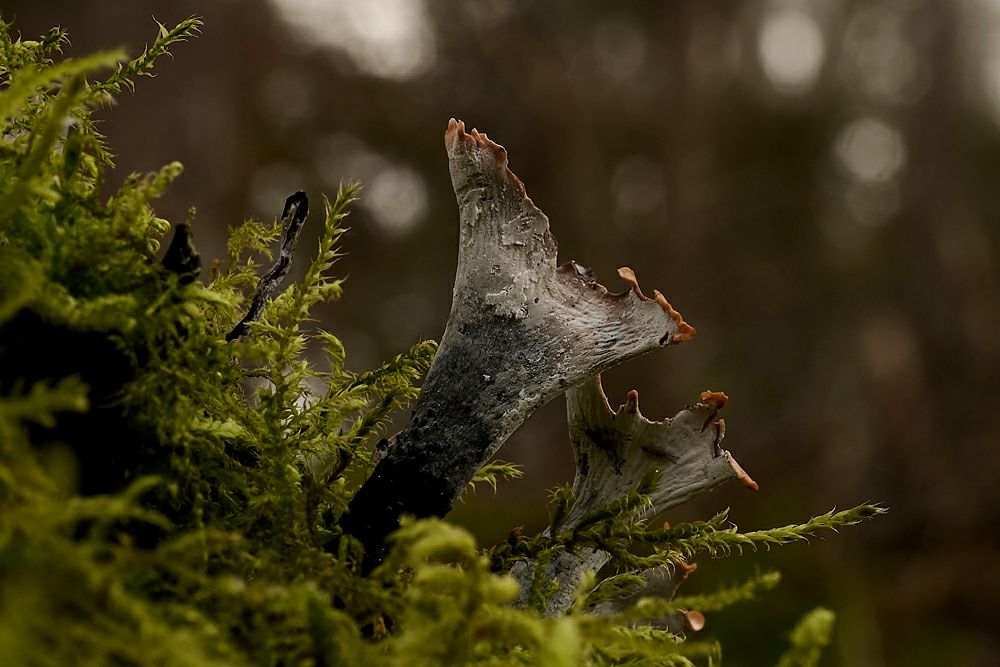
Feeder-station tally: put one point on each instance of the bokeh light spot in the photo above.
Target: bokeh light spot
(391, 39)
(392, 192)
(872, 203)
(638, 187)
(397, 198)
(791, 49)
(879, 59)
(871, 149)
(620, 49)
(891, 349)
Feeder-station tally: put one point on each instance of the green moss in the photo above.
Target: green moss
(170, 498)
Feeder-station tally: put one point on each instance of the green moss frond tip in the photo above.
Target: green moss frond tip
(491, 472)
(143, 65)
(728, 596)
(811, 635)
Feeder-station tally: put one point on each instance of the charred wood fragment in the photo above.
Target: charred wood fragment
(293, 217)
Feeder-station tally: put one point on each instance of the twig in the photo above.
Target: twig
(292, 218)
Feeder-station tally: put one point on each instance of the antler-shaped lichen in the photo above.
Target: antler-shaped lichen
(521, 331)
(614, 452)
(614, 449)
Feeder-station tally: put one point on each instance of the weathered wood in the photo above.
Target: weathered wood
(521, 331)
(614, 450)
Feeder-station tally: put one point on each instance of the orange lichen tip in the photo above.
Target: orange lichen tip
(475, 138)
(716, 399)
(684, 568)
(478, 140)
(628, 275)
(456, 128)
(684, 330)
(741, 474)
(695, 620)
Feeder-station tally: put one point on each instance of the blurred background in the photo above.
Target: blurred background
(814, 184)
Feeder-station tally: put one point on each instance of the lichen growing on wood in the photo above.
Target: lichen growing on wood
(168, 497)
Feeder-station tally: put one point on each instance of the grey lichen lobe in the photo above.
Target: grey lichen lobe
(505, 244)
(507, 256)
(615, 449)
(685, 449)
